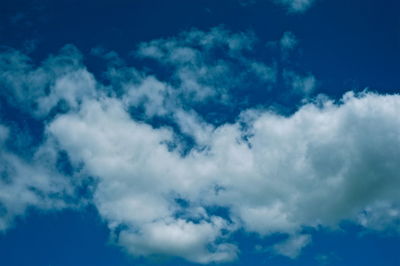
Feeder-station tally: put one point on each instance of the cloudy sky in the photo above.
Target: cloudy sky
(198, 132)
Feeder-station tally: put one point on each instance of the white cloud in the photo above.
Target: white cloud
(292, 246)
(200, 75)
(288, 43)
(302, 84)
(191, 124)
(296, 6)
(381, 216)
(138, 180)
(27, 183)
(180, 238)
(293, 6)
(272, 173)
(71, 88)
(4, 131)
(342, 157)
(60, 79)
(151, 93)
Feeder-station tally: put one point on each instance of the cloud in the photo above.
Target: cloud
(180, 238)
(293, 6)
(199, 74)
(61, 79)
(288, 43)
(343, 157)
(292, 246)
(297, 82)
(288, 40)
(296, 6)
(300, 84)
(27, 184)
(157, 183)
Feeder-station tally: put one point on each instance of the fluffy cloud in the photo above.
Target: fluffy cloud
(157, 183)
(343, 157)
(180, 238)
(139, 181)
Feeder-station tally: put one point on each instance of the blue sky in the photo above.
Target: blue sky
(232, 132)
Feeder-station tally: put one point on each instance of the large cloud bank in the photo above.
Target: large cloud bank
(159, 185)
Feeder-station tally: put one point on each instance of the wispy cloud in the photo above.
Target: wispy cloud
(296, 6)
(292, 6)
(27, 183)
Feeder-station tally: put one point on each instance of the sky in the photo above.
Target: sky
(201, 132)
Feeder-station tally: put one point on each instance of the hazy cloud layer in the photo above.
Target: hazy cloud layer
(327, 162)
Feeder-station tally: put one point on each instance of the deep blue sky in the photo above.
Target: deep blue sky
(345, 44)
(80, 238)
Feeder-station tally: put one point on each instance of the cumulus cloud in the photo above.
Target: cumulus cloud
(343, 157)
(156, 190)
(180, 238)
(138, 182)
